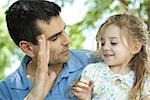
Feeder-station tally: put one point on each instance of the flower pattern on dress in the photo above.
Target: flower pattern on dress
(110, 86)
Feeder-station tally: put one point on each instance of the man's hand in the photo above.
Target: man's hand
(44, 78)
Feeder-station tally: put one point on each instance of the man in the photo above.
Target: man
(49, 68)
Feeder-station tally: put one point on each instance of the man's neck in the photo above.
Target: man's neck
(57, 68)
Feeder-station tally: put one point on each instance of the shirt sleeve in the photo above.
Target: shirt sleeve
(146, 87)
(4, 91)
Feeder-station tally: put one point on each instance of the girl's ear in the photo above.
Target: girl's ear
(136, 47)
(26, 48)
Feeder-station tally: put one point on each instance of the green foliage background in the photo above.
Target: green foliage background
(96, 8)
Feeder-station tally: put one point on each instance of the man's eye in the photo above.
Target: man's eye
(54, 38)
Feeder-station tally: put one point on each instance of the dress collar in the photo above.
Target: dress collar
(127, 79)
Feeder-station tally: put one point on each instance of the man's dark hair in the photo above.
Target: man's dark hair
(22, 15)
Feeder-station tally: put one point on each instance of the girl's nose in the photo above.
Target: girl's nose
(106, 47)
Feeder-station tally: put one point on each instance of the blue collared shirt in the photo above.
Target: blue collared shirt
(16, 86)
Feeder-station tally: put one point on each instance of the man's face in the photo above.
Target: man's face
(58, 39)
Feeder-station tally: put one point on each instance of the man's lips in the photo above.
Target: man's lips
(66, 52)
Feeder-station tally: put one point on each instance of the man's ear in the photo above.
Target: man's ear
(136, 47)
(26, 48)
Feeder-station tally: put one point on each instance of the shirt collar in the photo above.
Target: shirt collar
(20, 80)
(73, 64)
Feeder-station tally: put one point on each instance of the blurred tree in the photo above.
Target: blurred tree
(96, 11)
(148, 14)
(6, 45)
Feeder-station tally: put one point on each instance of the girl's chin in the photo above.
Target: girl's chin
(109, 63)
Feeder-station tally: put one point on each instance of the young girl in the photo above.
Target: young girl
(125, 72)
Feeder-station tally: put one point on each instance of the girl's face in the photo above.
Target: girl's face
(114, 47)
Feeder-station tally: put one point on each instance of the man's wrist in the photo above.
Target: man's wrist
(34, 96)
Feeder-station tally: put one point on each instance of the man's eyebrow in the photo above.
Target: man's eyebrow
(55, 34)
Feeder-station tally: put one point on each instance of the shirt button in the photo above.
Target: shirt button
(118, 81)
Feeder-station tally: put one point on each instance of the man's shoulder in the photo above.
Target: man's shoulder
(10, 79)
(84, 56)
(6, 85)
(17, 76)
(81, 52)
(10, 86)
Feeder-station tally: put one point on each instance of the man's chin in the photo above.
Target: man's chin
(63, 59)
(66, 58)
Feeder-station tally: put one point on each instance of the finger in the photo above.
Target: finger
(91, 83)
(78, 94)
(53, 76)
(48, 52)
(88, 82)
(82, 85)
(84, 81)
(78, 89)
(82, 89)
(41, 63)
(49, 82)
(43, 48)
(42, 44)
(40, 57)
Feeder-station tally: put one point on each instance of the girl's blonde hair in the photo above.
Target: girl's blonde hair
(134, 30)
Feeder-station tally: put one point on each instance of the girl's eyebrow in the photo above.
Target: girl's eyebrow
(110, 38)
(113, 37)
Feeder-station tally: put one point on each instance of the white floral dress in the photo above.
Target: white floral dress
(111, 86)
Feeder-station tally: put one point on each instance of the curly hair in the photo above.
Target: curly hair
(134, 29)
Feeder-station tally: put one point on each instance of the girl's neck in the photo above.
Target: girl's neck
(122, 70)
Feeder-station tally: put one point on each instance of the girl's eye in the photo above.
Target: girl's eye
(114, 43)
(102, 43)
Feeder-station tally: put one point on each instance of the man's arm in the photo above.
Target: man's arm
(43, 79)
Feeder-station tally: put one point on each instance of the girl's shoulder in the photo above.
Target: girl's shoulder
(96, 66)
(92, 71)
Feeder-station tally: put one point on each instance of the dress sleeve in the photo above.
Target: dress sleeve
(146, 87)
(90, 72)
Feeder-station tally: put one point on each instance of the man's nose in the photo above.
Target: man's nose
(66, 39)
